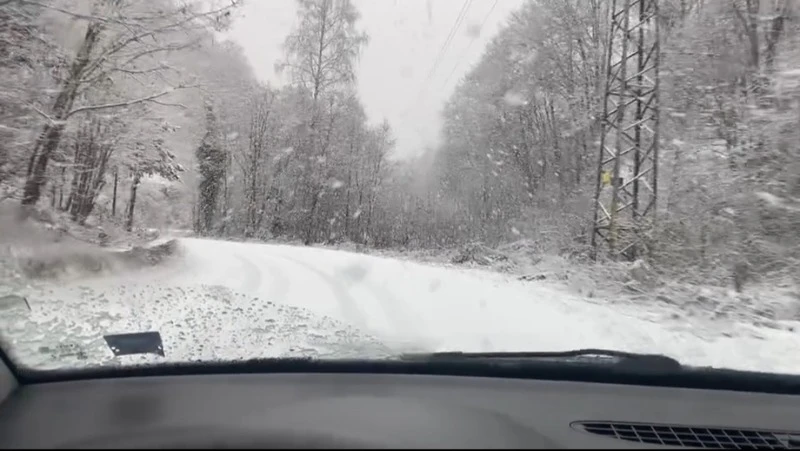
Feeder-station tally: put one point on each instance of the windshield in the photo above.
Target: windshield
(362, 179)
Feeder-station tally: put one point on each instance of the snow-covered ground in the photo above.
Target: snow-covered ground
(228, 300)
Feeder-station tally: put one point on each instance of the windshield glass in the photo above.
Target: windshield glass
(337, 179)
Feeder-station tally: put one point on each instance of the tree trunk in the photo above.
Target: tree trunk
(310, 222)
(37, 173)
(347, 203)
(53, 195)
(51, 135)
(90, 160)
(61, 188)
(251, 196)
(114, 198)
(97, 182)
(137, 176)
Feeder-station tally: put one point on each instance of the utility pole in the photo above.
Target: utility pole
(627, 168)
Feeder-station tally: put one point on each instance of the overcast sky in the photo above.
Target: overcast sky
(405, 38)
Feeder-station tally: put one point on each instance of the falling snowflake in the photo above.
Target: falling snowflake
(474, 30)
(512, 98)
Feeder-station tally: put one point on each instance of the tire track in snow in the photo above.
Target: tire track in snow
(402, 321)
(252, 275)
(279, 288)
(400, 318)
(347, 304)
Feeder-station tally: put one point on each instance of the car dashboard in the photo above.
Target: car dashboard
(385, 410)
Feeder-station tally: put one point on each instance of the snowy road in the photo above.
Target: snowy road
(237, 300)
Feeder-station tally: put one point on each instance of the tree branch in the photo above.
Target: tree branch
(166, 48)
(42, 113)
(114, 48)
(108, 72)
(30, 105)
(179, 105)
(151, 98)
(68, 13)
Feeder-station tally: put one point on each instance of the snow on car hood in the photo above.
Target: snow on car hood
(65, 325)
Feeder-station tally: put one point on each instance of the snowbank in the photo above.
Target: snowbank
(35, 245)
(773, 304)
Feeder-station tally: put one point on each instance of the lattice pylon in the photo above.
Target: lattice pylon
(627, 173)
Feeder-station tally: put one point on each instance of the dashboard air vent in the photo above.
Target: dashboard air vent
(693, 436)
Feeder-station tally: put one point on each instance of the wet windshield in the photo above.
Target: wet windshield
(364, 178)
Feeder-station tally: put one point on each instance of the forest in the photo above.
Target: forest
(129, 115)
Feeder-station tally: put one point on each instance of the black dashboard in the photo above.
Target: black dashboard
(377, 410)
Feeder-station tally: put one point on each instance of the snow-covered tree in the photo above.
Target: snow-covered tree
(321, 53)
(211, 160)
(122, 39)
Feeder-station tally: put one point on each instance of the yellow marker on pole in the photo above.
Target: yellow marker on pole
(606, 178)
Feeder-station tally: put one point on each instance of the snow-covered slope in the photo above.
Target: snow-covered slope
(225, 300)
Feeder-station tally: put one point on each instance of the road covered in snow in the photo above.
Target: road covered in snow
(220, 300)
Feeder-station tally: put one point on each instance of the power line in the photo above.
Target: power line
(442, 51)
(453, 30)
(474, 38)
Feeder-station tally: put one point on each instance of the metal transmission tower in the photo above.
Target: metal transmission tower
(625, 195)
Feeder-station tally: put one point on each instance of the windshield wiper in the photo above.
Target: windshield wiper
(135, 343)
(621, 359)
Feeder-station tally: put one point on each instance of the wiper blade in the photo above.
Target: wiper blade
(135, 343)
(590, 352)
(621, 359)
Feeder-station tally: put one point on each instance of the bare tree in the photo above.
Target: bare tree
(253, 159)
(149, 158)
(119, 41)
(320, 55)
(322, 50)
(93, 148)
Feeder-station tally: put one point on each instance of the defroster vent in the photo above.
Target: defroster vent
(693, 436)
